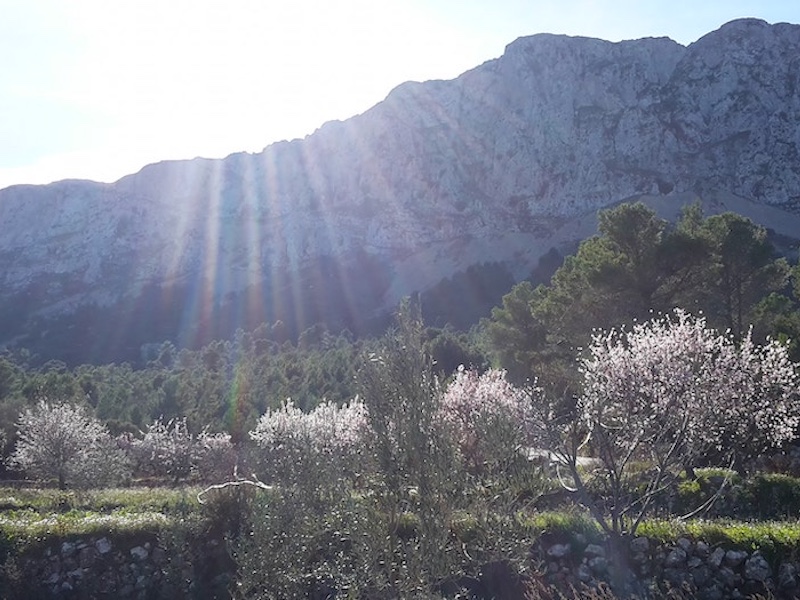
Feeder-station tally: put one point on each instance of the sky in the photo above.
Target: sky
(96, 89)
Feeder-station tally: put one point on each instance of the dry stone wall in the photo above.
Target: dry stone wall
(707, 572)
(102, 567)
(138, 568)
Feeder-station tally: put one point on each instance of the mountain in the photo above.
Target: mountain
(496, 168)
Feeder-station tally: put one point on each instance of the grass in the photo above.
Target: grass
(104, 500)
(568, 523)
(775, 539)
(32, 516)
(27, 525)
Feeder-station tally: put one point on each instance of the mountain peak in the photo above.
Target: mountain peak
(500, 165)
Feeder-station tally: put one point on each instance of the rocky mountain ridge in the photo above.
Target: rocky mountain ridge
(502, 164)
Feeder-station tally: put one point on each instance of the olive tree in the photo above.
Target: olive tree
(65, 442)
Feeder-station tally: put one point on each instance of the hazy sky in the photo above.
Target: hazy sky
(98, 88)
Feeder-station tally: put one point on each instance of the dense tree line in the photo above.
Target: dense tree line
(224, 386)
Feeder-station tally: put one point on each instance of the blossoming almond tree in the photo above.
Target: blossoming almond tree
(670, 391)
(490, 418)
(65, 442)
(171, 450)
(323, 445)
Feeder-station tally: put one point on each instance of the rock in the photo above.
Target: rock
(787, 576)
(70, 563)
(103, 546)
(756, 568)
(139, 553)
(142, 582)
(685, 544)
(159, 556)
(734, 558)
(640, 545)
(712, 592)
(67, 549)
(87, 556)
(598, 565)
(715, 558)
(594, 550)
(726, 577)
(677, 578)
(54, 565)
(694, 562)
(585, 574)
(702, 549)
(701, 575)
(675, 558)
(559, 550)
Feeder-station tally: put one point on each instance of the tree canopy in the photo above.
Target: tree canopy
(637, 265)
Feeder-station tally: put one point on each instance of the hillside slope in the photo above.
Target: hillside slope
(499, 165)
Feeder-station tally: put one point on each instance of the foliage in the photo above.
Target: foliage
(450, 350)
(347, 547)
(64, 442)
(768, 496)
(773, 538)
(689, 387)
(763, 496)
(742, 270)
(416, 460)
(166, 449)
(299, 549)
(215, 457)
(30, 525)
(567, 524)
(517, 336)
(463, 298)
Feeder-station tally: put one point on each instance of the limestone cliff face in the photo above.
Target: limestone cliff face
(499, 164)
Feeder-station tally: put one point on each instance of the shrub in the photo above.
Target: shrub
(767, 496)
(300, 548)
(165, 450)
